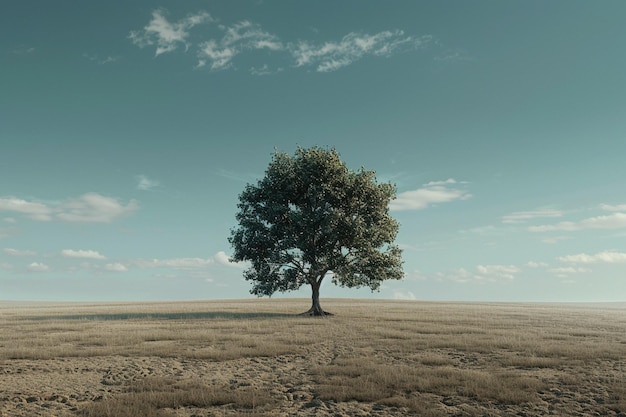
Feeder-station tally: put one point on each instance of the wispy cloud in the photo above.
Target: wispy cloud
(481, 274)
(94, 208)
(145, 184)
(238, 38)
(176, 263)
(612, 221)
(101, 61)
(9, 220)
(533, 264)
(38, 267)
(33, 210)
(23, 50)
(608, 257)
(404, 295)
(265, 70)
(167, 36)
(220, 258)
(17, 252)
(563, 272)
(88, 208)
(431, 193)
(115, 267)
(223, 259)
(332, 55)
(522, 216)
(83, 254)
(609, 207)
(454, 56)
(218, 52)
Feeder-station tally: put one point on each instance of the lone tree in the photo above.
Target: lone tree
(309, 217)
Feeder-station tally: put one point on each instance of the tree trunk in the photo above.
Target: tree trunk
(316, 309)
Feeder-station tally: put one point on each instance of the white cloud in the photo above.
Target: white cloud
(498, 271)
(94, 208)
(238, 38)
(38, 267)
(33, 210)
(264, 70)
(533, 264)
(7, 266)
(177, 263)
(9, 220)
(219, 56)
(522, 216)
(145, 184)
(431, 193)
(16, 252)
(223, 259)
(482, 274)
(331, 56)
(404, 295)
(167, 36)
(563, 272)
(601, 257)
(83, 254)
(250, 35)
(115, 267)
(90, 207)
(612, 221)
(218, 53)
(608, 207)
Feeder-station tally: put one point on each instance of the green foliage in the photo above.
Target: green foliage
(311, 215)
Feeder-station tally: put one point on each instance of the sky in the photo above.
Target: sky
(128, 130)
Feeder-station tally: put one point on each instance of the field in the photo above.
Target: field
(260, 358)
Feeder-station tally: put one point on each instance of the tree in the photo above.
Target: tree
(309, 217)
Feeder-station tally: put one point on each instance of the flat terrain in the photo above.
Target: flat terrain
(258, 357)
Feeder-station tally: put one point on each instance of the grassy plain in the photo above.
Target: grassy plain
(260, 358)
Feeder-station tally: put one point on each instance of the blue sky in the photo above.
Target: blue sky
(127, 131)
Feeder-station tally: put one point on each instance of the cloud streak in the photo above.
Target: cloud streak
(522, 216)
(32, 210)
(607, 257)
(333, 55)
(16, 252)
(481, 274)
(237, 38)
(87, 208)
(612, 221)
(431, 193)
(38, 267)
(82, 254)
(218, 52)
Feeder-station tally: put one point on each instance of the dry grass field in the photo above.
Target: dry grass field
(259, 358)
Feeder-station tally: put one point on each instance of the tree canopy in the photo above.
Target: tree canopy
(312, 217)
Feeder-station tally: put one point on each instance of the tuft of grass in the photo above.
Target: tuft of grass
(361, 379)
(158, 397)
